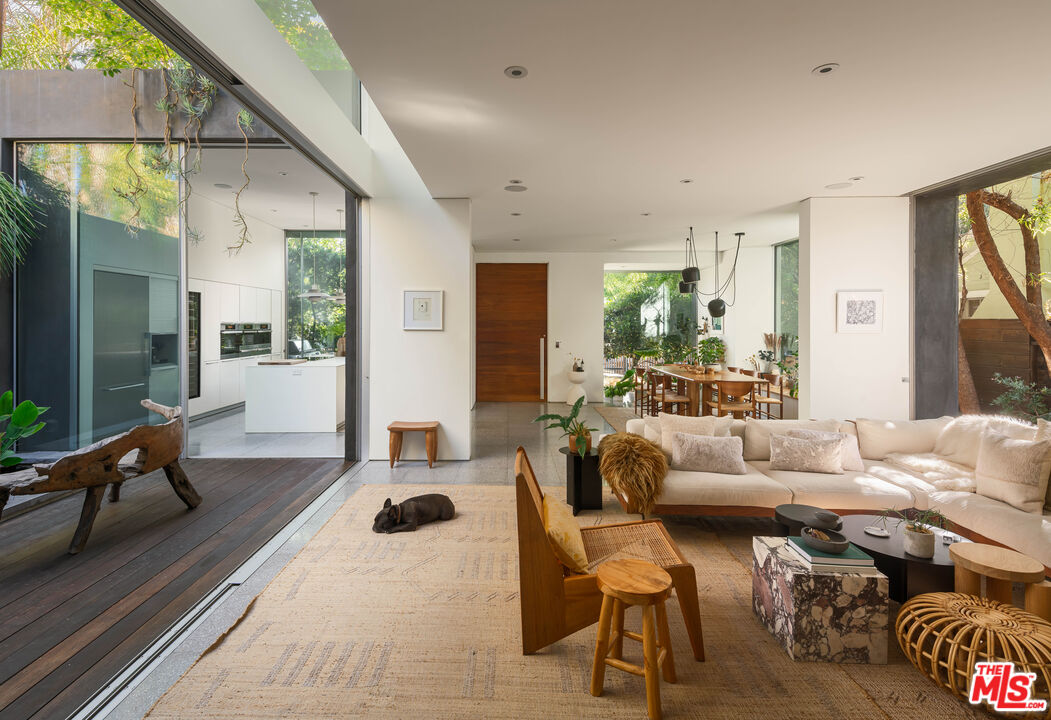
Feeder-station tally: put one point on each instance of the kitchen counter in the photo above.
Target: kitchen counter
(308, 397)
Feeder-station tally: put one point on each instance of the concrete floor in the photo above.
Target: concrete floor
(224, 436)
(498, 430)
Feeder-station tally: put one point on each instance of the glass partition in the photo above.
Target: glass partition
(316, 278)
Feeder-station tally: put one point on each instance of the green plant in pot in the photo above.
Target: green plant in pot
(576, 430)
(918, 538)
(620, 388)
(710, 352)
(17, 422)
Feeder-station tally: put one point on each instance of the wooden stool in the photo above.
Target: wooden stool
(1001, 567)
(397, 429)
(634, 582)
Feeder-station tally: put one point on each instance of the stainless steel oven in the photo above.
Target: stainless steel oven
(229, 340)
(237, 340)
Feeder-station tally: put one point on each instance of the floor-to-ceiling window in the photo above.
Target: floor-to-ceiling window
(316, 284)
(646, 316)
(786, 295)
(97, 297)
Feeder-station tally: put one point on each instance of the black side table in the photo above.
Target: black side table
(583, 482)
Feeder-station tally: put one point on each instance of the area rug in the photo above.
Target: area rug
(617, 417)
(426, 625)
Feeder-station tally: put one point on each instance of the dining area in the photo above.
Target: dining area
(696, 390)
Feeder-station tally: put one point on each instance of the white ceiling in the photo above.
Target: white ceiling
(279, 200)
(626, 98)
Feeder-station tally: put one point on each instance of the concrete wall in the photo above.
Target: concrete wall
(854, 244)
(935, 307)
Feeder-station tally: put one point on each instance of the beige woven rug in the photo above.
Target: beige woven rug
(617, 417)
(426, 625)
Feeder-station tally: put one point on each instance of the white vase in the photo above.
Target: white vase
(629, 399)
(576, 389)
(919, 544)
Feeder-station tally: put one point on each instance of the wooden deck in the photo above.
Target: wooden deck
(69, 623)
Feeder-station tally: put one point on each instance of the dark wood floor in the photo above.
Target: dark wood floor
(69, 623)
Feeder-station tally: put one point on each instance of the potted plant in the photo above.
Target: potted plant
(18, 422)
(767, 356)
(918, 538)
(615, 393)
(710, 353)
(578, 432)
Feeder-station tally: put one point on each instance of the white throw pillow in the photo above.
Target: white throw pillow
(880, 438)
(851, 454)
(653, 429)
(1014, 471)
(806, 455)
(704, 425)
(958, 441)
(702, 453)
(757, 433)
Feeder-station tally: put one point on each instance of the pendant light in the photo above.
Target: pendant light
(691, 274)
(314, 294)
(341, 296)
(717, 306)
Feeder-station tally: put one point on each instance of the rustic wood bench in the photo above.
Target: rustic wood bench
(397, 429)
(112, 461)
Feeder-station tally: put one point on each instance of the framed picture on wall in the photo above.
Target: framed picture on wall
(718, 325)
(859, 311)
(423, 310)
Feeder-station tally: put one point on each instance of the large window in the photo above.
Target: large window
(316, 280)
(786, 294)
(646, 315)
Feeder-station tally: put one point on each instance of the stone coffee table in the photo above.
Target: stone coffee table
(836, 617)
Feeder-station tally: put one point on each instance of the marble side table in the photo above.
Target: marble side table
(820, 616)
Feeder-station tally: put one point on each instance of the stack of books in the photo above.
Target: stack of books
(851, 561)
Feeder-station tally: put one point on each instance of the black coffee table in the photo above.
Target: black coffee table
(583, 481)
(909, 575)
(793, 518)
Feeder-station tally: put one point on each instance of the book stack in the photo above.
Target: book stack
(851, 561)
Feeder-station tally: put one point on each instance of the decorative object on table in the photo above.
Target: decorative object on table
(751, 360)
(422, 309)
(877, 531)
(850, 557)
(583, 480)
(21, 422)
(634, 583)
(944, 635)
(819, 614)
(634, 468)
(555, 605)
(409, 514)
(619, 389)
(909, 575)
(577, 431)
(430, 430)
(769, 361)
(1001, 568)
(828, 541)
(576, 376)
(918, 538)
(793, 517)
(859, 311)
(710, 353)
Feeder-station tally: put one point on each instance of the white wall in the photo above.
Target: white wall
(416, 243)
(261, 263)
(752, 312)
(854, 244)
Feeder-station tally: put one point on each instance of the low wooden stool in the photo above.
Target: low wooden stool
(1001, 567)
(634, 582)
(397, 429)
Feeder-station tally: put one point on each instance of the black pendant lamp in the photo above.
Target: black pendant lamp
(691, 274)
(717, 306)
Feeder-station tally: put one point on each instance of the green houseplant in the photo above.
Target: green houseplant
(17, 422)
(578, 432)
(710, 351)
(918, 538)
(620, 388)
(17, 224)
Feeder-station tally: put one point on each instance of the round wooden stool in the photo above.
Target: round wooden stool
(643, 584)
(1000, 566)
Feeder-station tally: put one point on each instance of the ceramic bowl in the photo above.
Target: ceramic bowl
(835, 544)
(826, 520)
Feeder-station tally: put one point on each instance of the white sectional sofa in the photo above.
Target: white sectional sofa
(901, 471)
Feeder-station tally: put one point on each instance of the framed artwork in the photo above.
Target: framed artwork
(718, 324)
(859, 311)
(423, 310)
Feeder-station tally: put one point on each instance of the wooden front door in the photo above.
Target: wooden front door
(510, 331)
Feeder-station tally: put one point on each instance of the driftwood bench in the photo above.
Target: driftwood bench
(112, 461)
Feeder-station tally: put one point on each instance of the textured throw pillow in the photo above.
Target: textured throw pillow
(564, 534)
(757, 433)
(880, 438)
(634, 468)
(701, 453)
(958, 441)
(851, 454)
(799, 455)
(704, 425)
(1014, 471)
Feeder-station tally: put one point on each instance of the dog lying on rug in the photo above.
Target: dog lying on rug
(407, 515)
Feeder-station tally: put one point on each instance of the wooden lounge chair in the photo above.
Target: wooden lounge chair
(556, 603)
(138, 451)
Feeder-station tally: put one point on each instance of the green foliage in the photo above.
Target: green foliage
(916, 519)
(766, 355)
(1022, 400)
(646, 316)
(622, 386)
(18, 421)
(18, 224)
(786, 285)
(304, 30)
(316, 260)
(711, 350)
(569, 425)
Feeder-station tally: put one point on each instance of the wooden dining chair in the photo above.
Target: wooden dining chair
(774, 396)
(666, 397)
(642, 398)
(735, 398)
(733, 369)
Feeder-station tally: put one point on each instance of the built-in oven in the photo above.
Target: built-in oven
(255, 339)
(229, 341)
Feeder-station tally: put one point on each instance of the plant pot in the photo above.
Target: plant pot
(573, 443)
(629, 399)
(614, 400)
(713, 367)
(920, 544)
(773, 369)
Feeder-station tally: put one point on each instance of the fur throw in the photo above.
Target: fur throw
(634, 468)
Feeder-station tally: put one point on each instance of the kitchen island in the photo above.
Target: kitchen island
(304, 397)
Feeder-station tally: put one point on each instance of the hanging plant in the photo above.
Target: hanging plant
(244, 124)
(17, 224)
(136, 187)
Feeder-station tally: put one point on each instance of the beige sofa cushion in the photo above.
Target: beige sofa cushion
(704, 453)
(704, 425)
(880, 438)
(920, 488)
(1028, 533)
(936, 470)
(959, 440)
(816, 455)
(849, 491)
(1014, 471)
(753, 489)
(757, 433)
(850, 454)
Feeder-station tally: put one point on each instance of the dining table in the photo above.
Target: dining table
(697, 382)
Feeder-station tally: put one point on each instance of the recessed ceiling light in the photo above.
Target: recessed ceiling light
(515, 182)
(282, 173)
(613, 240)
(839, 186)
(273, 209)
(644, 214)
(516, 188)
(515, 72)
(826, 69)
(686, 181)
(856, 178)
(223, 186)
(515, 214)
(516, 239)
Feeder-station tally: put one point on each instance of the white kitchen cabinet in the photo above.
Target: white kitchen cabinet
(262, 305)
(277, 319)
(244, 363)
(230, 303)
(229, 382)
(211, 320)
(211, 393)
(249, 313)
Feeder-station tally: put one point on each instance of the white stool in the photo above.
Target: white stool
(576, 387)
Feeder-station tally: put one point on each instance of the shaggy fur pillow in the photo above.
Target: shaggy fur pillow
(634, 468)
